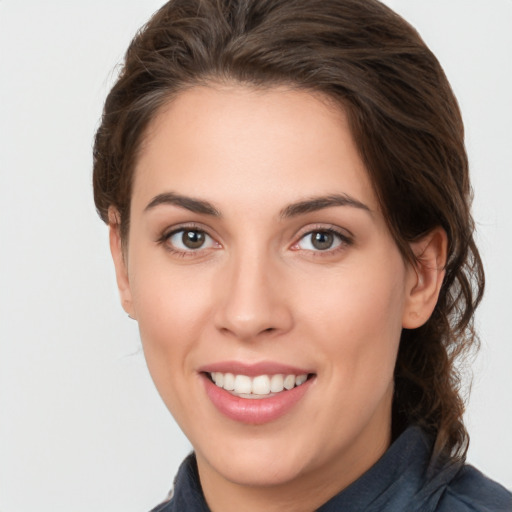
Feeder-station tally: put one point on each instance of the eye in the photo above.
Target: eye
(187, 240)
(322, 240)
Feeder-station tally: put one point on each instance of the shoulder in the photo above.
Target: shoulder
(472, 491)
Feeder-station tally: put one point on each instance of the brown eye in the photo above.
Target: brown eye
(188, 240)
(322, 240)
(193, 239)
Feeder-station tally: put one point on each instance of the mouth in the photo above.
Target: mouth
(256, 394)
(257, 387)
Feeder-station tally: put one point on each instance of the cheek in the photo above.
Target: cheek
(172, 309)
(357, 327)
(166, 297)
(171, 316)
(356, 317)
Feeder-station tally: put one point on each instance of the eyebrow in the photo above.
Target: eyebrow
(319, 203)
(188, 203)
(203, 207)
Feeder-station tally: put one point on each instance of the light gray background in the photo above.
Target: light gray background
(81, 426)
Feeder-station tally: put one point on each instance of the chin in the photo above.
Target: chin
(258, 464)
(260, 473)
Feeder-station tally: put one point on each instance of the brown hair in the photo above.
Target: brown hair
(404, 119)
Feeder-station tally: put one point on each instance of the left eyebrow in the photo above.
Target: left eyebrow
(319, 203)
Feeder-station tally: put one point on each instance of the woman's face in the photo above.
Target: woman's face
(257, 256)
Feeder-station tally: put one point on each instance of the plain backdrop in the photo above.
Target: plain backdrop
(82, 428)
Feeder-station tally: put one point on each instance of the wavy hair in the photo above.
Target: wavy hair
(404, 119)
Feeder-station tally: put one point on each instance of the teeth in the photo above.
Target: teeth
(261, 385)
(229, 382)
(276, 383)
(300, 379)
(243, 384)
(219, 379)
(289, 381)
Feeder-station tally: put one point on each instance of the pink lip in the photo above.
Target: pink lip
(255, 411)
(254, 369)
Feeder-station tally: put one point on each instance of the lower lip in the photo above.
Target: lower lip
(254, 411)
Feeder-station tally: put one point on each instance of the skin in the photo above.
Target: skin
(259, 290)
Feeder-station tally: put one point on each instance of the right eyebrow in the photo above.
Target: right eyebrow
(188, 203)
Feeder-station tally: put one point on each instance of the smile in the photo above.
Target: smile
(260, 386)
(256, 394)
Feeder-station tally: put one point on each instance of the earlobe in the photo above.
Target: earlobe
(118, 256)
(425, 278)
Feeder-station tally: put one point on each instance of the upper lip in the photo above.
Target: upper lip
(253, 369)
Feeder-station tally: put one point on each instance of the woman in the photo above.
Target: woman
(288, 198)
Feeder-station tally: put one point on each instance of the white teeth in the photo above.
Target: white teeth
(258, 386)
(276, 383)
(289, 382)
(261, 385)
(229, 382)
(243, 384)
(219, 379)
(300, 379)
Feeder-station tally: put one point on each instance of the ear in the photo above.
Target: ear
(116, 248)
(425, 278)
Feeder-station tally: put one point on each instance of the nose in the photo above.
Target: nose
(253, 299)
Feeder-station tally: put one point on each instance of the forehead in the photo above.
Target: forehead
(241, 145)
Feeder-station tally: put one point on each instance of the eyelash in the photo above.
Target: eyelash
(343, 239)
